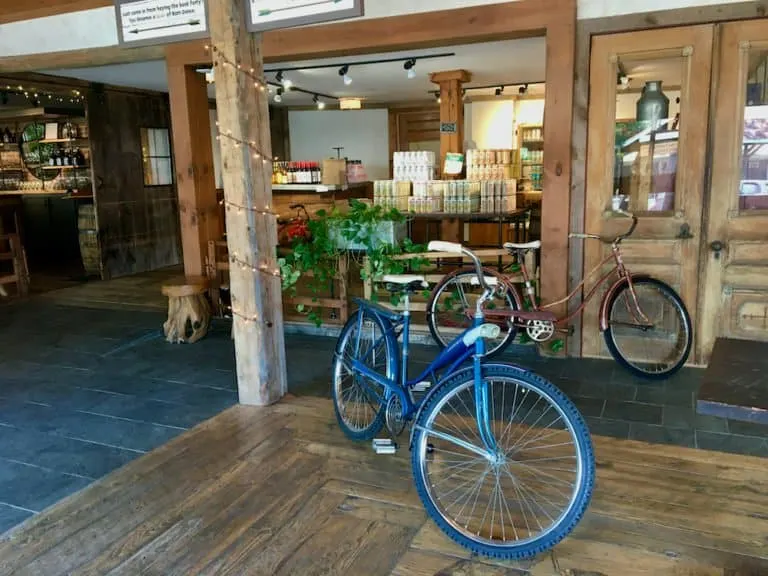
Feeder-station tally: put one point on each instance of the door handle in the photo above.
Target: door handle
(717, 246)
(685, 232)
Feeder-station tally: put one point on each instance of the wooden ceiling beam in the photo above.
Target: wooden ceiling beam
(505, 21)
(101, 56)
(29, 9)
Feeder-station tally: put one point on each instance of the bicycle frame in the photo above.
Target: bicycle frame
(543, 313)
(452, 356)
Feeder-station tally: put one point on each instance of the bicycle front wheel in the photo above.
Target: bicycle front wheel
(535, 488)
(451, 308)
(650, 335)
(359, 402)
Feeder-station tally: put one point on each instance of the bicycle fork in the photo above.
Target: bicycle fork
(482, 401)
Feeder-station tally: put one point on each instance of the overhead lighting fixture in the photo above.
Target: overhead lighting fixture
(499, 90)
(344, 73)
(286, 82)
(279, 95)
(437, 97)
(410, 66)
(320, 103)
(350, 103)
(523, 89)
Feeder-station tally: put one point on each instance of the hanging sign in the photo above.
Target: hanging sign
(160, 21)
(447, 127)
(272, 14)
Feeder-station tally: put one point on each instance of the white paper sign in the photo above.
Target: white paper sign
(142, 21)
(270, 14)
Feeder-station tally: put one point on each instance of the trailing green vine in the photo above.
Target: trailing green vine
(333, 234)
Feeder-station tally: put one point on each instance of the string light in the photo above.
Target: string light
(257, 154)
(249, 319)
(258, 82)
(240, 208)
(262, 268)
(252, 144)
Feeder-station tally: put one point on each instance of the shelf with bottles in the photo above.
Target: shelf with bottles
(296, 173)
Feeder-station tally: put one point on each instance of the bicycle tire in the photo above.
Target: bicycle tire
(685, 319)
(573, 421)
(369, 431)
(434, 298)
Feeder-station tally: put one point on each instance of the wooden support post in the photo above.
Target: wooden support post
(193, 158)
(451, 112)
(243, 115)
(556, 197)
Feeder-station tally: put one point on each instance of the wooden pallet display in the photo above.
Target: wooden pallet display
(433, 276)
(218, 269)
(12, 251)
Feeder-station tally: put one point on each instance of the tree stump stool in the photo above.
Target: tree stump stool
(187, 308)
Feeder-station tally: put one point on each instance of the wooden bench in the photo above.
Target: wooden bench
(189, 314)
(218, 275)
(433, 275)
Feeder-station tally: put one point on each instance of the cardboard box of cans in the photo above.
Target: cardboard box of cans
(447, 196)
(492, 164)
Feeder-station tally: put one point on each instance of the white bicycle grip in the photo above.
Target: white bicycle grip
(440, 246)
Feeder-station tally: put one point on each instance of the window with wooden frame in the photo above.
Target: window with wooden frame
(156, 157)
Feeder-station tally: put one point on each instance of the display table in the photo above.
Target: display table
(187, 305)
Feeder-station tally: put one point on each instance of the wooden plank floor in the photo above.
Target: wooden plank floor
(279, 490)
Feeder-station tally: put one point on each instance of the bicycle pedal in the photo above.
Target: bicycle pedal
(384, 446)
(422, 386)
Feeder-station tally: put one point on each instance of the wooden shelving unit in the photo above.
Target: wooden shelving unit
(531, 144)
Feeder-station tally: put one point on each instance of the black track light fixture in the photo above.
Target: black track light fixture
(344, 73)
(410, 67)
(523, 89)
(499, 90)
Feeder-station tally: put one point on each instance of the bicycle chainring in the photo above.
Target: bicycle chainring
(540, 330)
(394, 416)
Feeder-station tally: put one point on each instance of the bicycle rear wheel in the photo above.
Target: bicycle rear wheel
(540, 482)
(451, 307)
(656, 350)
(359, 402)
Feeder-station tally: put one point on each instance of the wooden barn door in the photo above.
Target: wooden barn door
(655, 170)
(735, 286)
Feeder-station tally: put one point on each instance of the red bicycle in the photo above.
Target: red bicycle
(646, 326)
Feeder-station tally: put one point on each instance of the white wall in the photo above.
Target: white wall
(98, 27)
(490, 124)
(364, 134)
(529, 111)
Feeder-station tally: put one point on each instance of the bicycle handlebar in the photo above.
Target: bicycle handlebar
(615, 240)
(458, 249)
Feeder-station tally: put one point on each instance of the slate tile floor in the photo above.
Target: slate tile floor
(84, 391)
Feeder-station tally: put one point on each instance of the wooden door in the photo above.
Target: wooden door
(654, 169)
(735, 271)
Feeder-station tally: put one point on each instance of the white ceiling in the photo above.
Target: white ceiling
(513, 61)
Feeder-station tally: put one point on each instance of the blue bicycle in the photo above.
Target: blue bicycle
(502, 459)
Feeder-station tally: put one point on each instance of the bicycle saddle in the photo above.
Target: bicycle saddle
(535, 245)
(405, 282)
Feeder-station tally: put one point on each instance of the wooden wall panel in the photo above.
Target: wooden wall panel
(138, 225)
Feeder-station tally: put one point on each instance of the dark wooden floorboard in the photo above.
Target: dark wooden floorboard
(281, 491)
